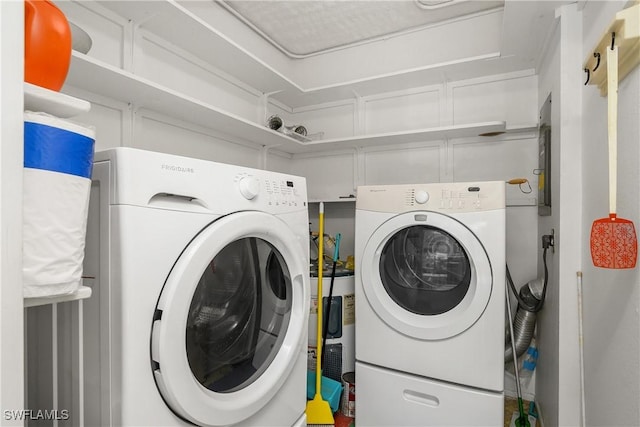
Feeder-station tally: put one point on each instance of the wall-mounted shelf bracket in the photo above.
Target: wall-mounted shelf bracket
(626, 27)
(263, 112)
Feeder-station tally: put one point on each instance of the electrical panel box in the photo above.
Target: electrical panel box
(544, 160)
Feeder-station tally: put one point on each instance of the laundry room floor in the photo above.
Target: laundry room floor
(511, 406)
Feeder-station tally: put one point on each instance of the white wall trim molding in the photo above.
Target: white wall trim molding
(337, 152)
(278, 104)
(498, 138)
(125, 110)
(273, 151)
(326, 105)
(546, 44)
(359, 116)
(404, 92)
(493, 78)
(11, 165)
(445, 101)
(569, 239)
(407, 146)
(126, 40)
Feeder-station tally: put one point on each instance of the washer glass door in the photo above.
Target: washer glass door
(426, 275)
(425, 270)
(230, 320)
(236, 324)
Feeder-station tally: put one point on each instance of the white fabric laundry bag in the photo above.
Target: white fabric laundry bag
(58, 160)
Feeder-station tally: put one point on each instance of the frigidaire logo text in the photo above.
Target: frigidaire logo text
(174, 168)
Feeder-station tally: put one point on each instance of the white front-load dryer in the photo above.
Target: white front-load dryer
(430, 301)
(200, 303)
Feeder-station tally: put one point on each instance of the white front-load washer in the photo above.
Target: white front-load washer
(430, 298)
(201, 294)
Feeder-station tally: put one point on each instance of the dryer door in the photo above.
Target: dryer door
(230, 321)
(426, 275)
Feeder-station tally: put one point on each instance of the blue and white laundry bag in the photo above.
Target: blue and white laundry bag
(58, 160)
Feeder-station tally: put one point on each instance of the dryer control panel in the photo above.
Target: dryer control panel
(282, 192)
(165, 181)
(439, 197)
(270, 190)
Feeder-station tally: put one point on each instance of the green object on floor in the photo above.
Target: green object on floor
(515, 416)
(522, 420)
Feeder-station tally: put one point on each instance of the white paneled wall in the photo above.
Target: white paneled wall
(491, 159)
(403, 111)
(108, 30)
(329, 176)
(334, 120)
(111, 119)
(158, 133)
(406, 165)
(278, 162)
(159, 61)
(512, 98)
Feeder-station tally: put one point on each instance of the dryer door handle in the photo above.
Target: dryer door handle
(178, 202)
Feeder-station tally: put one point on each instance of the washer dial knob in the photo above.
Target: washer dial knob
(249, 187)
(421, 197)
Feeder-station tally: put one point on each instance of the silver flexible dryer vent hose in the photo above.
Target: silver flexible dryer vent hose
(529, 303)
(524, 325)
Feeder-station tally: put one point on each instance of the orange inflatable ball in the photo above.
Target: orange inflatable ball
(47, 44)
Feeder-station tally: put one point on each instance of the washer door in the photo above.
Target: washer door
(426, 275)
(230, 320)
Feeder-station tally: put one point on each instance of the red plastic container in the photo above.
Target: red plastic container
(47, 44)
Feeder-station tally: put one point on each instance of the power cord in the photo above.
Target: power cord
(547, 242)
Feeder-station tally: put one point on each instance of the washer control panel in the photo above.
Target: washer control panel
(451, 197)
(421, 197)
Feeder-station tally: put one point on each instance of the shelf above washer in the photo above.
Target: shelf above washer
(82, 293)
(39, 99)
(334, 200)
(98, 77)
(101, 78)
(467, 130)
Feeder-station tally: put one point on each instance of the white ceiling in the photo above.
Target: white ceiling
(334, 49)
(302, 28)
